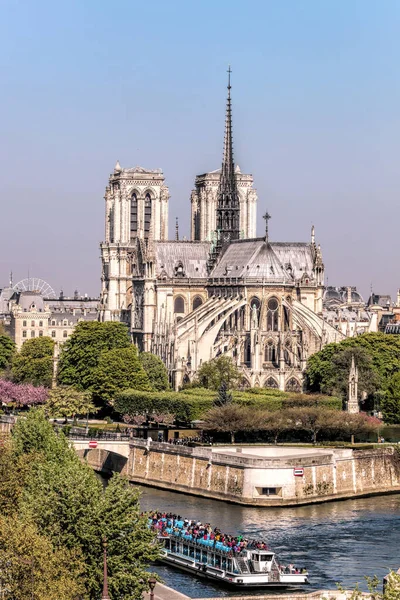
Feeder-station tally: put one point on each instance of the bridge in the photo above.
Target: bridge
(108, 453)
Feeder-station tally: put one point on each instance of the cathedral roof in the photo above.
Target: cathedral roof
(251, 258)
(275, 261)
(191, 256)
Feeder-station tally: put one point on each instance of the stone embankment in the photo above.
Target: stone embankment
(162, 592)
(258, 476)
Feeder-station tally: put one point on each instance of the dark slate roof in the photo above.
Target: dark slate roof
(299, 255)
(192, 255)
(251, 258)
(26, 299)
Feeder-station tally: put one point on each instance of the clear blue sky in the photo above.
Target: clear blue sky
(316, 108)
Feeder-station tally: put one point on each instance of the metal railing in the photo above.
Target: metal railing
(100, 436)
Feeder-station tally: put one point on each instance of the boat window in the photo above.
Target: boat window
(224, 561)
(191, 552)
(217, 561)
(167, 544)
(229, 564)
(185, 550)
(198, 554)
(255, 557)
(266, 557)
(173, 546)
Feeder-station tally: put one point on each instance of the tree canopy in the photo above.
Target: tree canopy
(80, 354)
(378, 354)
(66, 401)
(7, 351)
(34, 362)
(219, 370)
(48, 491)
(117, 370)
(156, 371)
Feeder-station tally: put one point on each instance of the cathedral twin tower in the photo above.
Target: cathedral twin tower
(223, 205)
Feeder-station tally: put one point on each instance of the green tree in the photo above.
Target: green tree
(34, 362)
(156, 371)
(117, 370)
(224, 397)
(67, 504)
(31, 567)
(384, 353)
(7, 351)
(230, 418)
(80, 354)
(314, 420)
(390, 401)
(66, 401)
(275, 423)
(222, 369)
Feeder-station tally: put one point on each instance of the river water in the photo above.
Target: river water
(336, 541)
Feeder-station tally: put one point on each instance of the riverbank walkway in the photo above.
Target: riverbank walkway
(163, 592)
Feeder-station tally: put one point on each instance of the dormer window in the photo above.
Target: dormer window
(179, 270)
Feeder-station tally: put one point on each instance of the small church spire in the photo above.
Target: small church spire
(352, 400)
(312, 234)
(177, 230)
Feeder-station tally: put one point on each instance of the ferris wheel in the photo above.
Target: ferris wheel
(34, 284)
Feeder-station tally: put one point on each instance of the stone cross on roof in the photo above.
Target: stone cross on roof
(267, 217)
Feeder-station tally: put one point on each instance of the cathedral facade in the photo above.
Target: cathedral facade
(224, 291)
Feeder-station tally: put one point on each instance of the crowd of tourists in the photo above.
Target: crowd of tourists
(165, 522)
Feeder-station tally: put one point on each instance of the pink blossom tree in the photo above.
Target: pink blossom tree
(21, 395)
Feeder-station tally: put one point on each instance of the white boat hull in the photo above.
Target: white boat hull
(242, 580)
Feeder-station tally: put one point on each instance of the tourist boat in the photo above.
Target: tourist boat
(251, 567)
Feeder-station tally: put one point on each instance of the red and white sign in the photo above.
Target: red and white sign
(92, 444)
(298, 472)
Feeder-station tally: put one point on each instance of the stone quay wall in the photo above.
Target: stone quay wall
(267, 476)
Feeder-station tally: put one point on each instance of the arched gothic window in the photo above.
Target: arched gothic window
(147, 214)
(134, 214)
(270, 352)
(293, 385)
(179, 305)
(197, 302)
(271, 383)
(273, 315)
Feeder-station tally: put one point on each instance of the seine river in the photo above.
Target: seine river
(337, 541)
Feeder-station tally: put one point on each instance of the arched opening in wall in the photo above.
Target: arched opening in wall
(272, 315)
(270, 352)
(197, 226)
(134, 215)
(147, 214)
(179, 305)
(271, 383)
(293, 385)
(197, 302)
(287, 353)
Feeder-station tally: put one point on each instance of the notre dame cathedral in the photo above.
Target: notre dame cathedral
(224, 291)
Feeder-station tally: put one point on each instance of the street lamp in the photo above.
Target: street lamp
(105, 595)
(152, 585)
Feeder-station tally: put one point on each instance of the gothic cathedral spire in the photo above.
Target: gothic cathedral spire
(228, 207)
